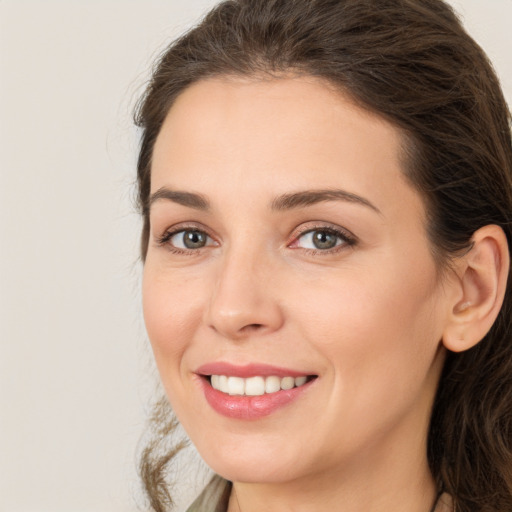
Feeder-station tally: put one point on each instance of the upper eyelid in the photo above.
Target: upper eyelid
(186, 226)
(318, 226)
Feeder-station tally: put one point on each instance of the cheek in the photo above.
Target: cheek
(375, 328)
(380, 344)
(172, 311)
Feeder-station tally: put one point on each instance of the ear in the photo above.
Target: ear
(482, 278)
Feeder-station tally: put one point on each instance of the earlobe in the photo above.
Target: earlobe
(482, 279)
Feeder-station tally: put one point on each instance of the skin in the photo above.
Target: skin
(366, 317)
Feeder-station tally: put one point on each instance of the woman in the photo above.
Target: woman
(327, 201)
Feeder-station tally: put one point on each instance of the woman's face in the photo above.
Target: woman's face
(286, 244)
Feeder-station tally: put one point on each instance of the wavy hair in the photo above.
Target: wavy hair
(411, 62)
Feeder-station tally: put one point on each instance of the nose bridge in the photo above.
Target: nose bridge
(243, 299)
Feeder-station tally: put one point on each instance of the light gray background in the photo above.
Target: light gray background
(75, 368)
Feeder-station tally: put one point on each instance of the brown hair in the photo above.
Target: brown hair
(411, 62)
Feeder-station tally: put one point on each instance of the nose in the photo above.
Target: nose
(244, 300)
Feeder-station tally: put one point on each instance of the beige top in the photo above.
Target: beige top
(445, 503)
(215, 498)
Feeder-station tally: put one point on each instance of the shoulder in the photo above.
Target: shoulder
(445, 503)
(214, 498)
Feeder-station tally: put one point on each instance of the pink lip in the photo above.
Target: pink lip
(249, 407)
(249, 370)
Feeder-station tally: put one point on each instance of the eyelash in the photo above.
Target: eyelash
(164, 240)
(347, 239)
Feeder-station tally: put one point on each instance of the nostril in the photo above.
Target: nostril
(252, 327)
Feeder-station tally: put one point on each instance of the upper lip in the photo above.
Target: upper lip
(248, 370)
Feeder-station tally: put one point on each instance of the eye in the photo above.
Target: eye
(322, 239)
(186, 239)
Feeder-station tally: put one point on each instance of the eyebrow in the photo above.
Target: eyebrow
(189, 199)
(311, 197)
(284, 202)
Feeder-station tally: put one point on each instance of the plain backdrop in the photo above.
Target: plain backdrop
(75, 366)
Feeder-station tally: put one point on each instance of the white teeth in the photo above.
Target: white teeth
(254, 386)
(287, 382)
(272, 384)
(300, 380)
(236, 386)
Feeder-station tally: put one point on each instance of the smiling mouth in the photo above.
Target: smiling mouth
(257, 385)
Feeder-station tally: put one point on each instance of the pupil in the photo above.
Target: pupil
(324, 240)
(194, 239)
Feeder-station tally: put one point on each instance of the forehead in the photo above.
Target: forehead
(287, 132)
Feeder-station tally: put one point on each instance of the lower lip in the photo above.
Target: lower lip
(251, 407)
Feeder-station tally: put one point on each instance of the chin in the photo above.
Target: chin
(254, 462)
(253, 471)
